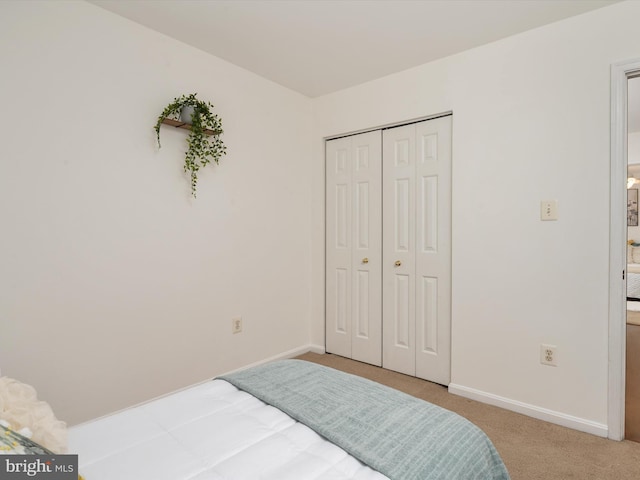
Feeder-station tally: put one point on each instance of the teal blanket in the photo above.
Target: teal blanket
(400, 436)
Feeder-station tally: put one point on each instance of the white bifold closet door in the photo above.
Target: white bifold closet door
(353, 243)
(417, 249)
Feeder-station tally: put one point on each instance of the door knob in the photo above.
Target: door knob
(398, 263)
(365, 260)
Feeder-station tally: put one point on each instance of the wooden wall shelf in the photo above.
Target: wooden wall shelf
(187, 126)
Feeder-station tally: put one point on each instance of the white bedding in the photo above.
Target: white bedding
(211, 431)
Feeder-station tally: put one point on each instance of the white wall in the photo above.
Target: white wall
(633, 148)
(530, 117)
(115, 285)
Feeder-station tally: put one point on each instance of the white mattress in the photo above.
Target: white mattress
(209, 432)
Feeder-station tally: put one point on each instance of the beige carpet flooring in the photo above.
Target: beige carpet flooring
(531, 449)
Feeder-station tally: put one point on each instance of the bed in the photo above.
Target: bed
(633, 271)
(633, 282)
(288, 419)
(633, 293)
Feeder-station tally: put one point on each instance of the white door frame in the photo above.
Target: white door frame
(620, 72)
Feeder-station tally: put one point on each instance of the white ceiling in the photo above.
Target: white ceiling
(320, 46)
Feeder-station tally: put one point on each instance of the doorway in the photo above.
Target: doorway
(620, 75)
(632, 364)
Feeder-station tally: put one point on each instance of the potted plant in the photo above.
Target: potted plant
(205, 127)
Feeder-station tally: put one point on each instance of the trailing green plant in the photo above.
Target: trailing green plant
(203, 147)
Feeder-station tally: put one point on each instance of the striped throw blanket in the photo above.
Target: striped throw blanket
(403, 437)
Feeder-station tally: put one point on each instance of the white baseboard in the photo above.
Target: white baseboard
(545, 414)
(281, 356)
(319, 349)
(288, 354)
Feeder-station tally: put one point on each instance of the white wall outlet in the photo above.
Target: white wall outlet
(548, 355)
(236, 324)
(549, 210)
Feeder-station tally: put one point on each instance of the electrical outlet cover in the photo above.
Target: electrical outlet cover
(548, 210)
(548, 355)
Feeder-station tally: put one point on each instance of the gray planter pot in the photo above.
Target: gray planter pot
(186, 113)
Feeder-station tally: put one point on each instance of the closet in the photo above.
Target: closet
(388, 248)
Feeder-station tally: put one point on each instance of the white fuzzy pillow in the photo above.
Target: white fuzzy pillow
(20, 407)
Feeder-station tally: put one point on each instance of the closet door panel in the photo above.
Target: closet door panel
(366, 340)
(416, 249)
(433, 254)
(398, 257)
(353, 264)
(338, 247)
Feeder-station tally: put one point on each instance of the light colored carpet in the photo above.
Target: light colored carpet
(531, 449)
